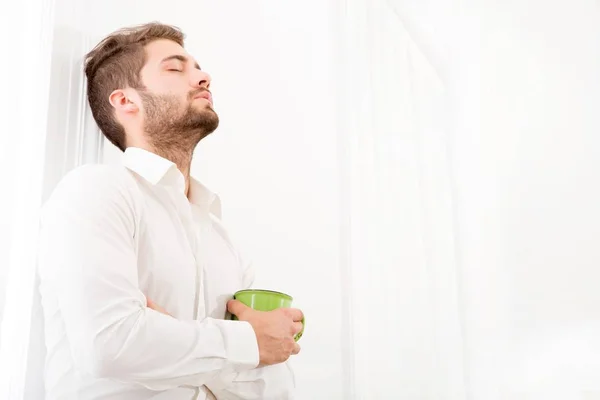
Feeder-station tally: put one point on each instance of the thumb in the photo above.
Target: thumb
(236, 307)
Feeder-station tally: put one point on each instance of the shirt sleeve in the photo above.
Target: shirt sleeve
(88, 265)
(271, 382)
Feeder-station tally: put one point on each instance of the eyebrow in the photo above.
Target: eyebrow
(181, 58)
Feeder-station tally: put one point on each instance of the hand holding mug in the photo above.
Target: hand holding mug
(275, 330)
(277, 325)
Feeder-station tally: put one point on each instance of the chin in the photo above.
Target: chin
(209, 112)
(210, 120)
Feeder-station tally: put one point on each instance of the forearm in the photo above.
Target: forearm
(160, 352)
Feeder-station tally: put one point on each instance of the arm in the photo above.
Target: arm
(88, 262)
(270, 382)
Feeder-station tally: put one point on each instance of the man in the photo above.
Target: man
(136, 268)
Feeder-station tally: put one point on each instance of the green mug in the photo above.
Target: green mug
(266, 300)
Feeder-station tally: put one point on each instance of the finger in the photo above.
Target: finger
(236, 307)
(152, 305)
(297, 328)
(296, 349)
(296, 314)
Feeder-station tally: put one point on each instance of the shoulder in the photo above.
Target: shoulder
(93, 175)
(93, 186)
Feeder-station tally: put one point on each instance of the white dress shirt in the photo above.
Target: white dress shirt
(113, 236)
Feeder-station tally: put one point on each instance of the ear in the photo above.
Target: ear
(123, 102)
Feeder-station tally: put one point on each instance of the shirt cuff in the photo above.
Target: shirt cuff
(240, 344)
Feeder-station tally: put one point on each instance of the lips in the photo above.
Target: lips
(204, 95)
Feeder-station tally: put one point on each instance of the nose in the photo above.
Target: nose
(201, 79)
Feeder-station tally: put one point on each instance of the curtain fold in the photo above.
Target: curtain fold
(26, 37)
(407, 333)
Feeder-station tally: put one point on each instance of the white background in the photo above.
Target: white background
(423, 176)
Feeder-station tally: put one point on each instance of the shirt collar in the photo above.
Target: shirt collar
(158, 170)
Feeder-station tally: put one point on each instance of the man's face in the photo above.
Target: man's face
(176, 99)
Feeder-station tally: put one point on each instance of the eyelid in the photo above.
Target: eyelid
(175, 65)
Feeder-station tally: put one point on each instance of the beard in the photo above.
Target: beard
(173, 131)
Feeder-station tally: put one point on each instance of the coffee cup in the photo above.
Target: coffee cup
(266, 300)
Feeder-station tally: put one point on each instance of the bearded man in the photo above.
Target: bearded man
(137, 271)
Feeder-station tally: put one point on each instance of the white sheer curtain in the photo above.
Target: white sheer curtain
(26, 41)
(404, 304)
(472, 194)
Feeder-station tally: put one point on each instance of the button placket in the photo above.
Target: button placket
(201, 228)
(186, 216)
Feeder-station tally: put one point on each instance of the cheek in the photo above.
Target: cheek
(178, 93)
(168, 84)
(174, 97)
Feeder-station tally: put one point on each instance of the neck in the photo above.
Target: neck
(176, 146)
(179, 155)
(181, 158)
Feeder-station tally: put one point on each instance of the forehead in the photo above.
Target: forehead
(161, 49)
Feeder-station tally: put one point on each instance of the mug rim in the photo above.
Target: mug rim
(263, 291)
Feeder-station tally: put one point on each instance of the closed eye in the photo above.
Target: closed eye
(174, 70)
